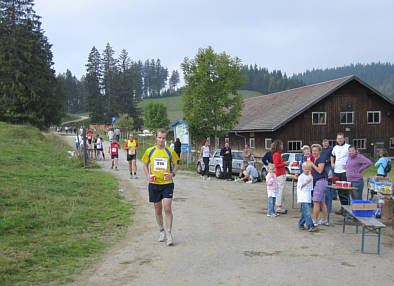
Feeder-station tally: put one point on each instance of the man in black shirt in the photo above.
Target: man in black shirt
(227, 161)
(177, 147)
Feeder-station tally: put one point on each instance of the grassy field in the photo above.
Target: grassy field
(54, 215)
(174, 104)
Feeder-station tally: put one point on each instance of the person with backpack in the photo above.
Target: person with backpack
(160, 166)
(383, 164)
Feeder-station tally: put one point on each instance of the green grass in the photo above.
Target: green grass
(55, 217)
(174, 104)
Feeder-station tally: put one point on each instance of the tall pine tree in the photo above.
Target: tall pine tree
(28, 88)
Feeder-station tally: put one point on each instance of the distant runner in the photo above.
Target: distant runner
(114, 151)
(131, 146)
(160, 166)
(99, 144)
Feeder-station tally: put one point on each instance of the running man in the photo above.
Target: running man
(131, 146)
(114, 151)
(160, 166)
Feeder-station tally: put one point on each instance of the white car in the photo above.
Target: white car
(293, 168)
(216, 164)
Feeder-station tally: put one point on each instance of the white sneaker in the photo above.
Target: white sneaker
(131, 176)
(249, 182)
(170, 240)
(162, 236)
(135, 176)
(209, 178)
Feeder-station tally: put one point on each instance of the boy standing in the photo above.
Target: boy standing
(304, 190)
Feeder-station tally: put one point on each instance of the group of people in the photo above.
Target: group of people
(319, 162)
(67, 129)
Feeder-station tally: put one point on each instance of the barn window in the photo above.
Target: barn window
(332, 142)
(268, 142)
(227, 140)
(347, 117)
(319, 118)
(294, 145)
(252, 142)
(373, 117)
(391, 143)
(360, 143)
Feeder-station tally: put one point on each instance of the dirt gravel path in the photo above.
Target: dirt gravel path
(223, 237)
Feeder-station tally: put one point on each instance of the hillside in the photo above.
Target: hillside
(54, 215)
(378, 75)
(174, 104)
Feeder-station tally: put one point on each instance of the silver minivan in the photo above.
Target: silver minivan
(216, 164)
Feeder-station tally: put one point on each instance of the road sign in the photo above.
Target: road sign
(113, 120)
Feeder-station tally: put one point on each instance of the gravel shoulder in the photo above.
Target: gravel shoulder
(223, 237)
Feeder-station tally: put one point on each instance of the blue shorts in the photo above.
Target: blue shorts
(158, 192)
(114, 156)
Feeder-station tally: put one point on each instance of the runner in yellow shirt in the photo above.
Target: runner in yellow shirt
(160, 166)
(131, 146)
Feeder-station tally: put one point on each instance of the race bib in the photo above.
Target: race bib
(114, 150)
(131, 151)
(160, 164)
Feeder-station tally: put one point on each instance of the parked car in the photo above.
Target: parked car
(293, 168)
(216, 164)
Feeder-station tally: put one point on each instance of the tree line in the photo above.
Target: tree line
(378, 75)
(261, 80)
(29, 92)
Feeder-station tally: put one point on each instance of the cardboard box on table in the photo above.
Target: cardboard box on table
(387, 208)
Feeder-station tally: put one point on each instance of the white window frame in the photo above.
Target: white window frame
(373, 112)
(252, 143)
(293, 141)
(391, 146)
(325, 118)
(340, 115)
(357, 145)
(227, 140)
(266, 143)
(332, 142)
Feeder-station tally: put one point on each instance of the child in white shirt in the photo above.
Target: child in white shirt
(272, 190)
(304, 190)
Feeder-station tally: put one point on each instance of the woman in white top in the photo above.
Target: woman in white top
(99, 144)
(205, 154)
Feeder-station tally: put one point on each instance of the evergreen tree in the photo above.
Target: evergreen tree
(95, 99)
(109, 67)
(28, 87)
(174, 79)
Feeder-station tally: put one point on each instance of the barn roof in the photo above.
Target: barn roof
(270, 112)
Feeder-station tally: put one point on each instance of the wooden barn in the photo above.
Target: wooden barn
(308, 114)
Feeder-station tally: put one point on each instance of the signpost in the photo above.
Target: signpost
(181, 131)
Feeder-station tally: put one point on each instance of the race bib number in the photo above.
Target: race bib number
(160, 164)
(114, 150)
(131, 151)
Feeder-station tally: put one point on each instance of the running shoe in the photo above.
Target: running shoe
(281, 210)
(162, 236)
(313, 229)
(275, 215)
(170, 240)
(131, 176)
(324, 222)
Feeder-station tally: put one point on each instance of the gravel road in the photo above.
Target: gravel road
(223, 237)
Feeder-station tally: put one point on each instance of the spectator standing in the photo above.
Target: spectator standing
(117, 133)
(172, 146)
(320, 184)
(267, 159)
(225, 152)
(307, 157)
(355, 165)
(280, 172)
(205, 154)
(382, 163)
(177, 147)
(272, 190)
(339, 156)
(110, 134)
(330, 194)
(247, 154)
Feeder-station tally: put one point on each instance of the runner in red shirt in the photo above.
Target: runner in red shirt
(89, 135)
(114, 151)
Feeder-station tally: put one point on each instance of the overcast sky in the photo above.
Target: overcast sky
(288, 35)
